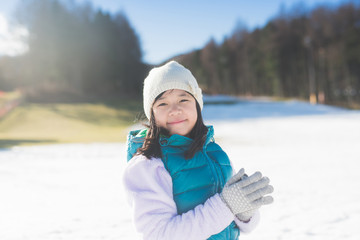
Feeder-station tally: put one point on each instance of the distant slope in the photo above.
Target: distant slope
(59, 123)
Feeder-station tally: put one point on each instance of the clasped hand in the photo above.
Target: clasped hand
(244, 195)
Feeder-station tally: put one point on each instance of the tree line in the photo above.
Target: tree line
(76, 51)
(298, 53)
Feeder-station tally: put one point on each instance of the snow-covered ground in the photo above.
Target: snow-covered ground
(310, 153)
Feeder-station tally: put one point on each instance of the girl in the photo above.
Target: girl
(178, 179)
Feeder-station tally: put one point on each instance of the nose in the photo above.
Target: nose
(175, 109)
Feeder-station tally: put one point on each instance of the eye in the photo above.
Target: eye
(161, 104)
(184, 100)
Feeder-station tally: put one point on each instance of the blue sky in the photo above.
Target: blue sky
(167, 27)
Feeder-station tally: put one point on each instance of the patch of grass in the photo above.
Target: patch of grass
(8, 143)
(8, 96)
(31, 124)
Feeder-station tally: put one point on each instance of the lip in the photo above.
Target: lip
(176, 122)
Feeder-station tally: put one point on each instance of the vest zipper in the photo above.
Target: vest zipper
(219, 180)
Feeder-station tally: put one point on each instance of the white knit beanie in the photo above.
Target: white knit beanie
(172, 75)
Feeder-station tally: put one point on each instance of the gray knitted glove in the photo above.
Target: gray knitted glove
(243, 195)
(245, 216)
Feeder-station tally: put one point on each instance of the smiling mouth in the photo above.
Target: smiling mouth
(176, 122)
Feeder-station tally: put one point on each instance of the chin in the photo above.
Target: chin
(180, 133)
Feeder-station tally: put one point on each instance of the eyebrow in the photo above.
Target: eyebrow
(185, 94)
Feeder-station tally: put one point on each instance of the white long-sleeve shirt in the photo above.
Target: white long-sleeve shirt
(149, 187)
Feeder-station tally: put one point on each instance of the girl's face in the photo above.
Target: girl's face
(176, 111)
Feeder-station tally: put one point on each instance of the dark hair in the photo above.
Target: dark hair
(151, 146)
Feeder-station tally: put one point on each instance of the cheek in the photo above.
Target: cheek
(194, 114)
(158, 119)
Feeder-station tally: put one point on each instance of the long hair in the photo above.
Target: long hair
(151, 146)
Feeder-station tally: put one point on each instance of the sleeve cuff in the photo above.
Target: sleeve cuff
(222, 208)
(248, 226)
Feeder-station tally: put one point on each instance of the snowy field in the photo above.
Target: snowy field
(310, 153)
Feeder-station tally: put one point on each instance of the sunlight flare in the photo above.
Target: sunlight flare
(13, 38)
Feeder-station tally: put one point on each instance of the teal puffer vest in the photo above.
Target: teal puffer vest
(196, 179)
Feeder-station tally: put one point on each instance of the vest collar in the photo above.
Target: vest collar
(178, 140)
(138, 136)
